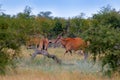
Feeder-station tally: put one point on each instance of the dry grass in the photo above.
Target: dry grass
(64, 75)
(72, 68)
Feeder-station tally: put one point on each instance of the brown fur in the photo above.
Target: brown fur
(40, 43)
(72, 44)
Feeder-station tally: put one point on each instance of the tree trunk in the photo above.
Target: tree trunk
(45, 53)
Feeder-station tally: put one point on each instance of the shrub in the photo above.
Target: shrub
(105, 41)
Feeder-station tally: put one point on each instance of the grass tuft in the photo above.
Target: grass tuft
(42, 68)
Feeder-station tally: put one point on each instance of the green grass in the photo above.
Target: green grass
(42, 68)
(69, 63)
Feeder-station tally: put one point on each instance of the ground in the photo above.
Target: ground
(42, 68)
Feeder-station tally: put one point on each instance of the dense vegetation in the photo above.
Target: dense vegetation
(102, 30)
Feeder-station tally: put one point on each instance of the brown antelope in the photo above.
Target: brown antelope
(40, 43)
(73, 44)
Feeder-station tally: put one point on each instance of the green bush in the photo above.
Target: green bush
(4, 61)
(105, 41)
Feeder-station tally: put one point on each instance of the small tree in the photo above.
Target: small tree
(9, 39)
(105, 41)
(45, 14)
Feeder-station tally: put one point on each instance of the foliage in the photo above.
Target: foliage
(3, 62)
(79, 25)
(104, 37)
(6, 41)
(108, 16)
(57, 28)
(45, 14)
(102, 30)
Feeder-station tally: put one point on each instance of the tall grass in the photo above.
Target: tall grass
(42, 68)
